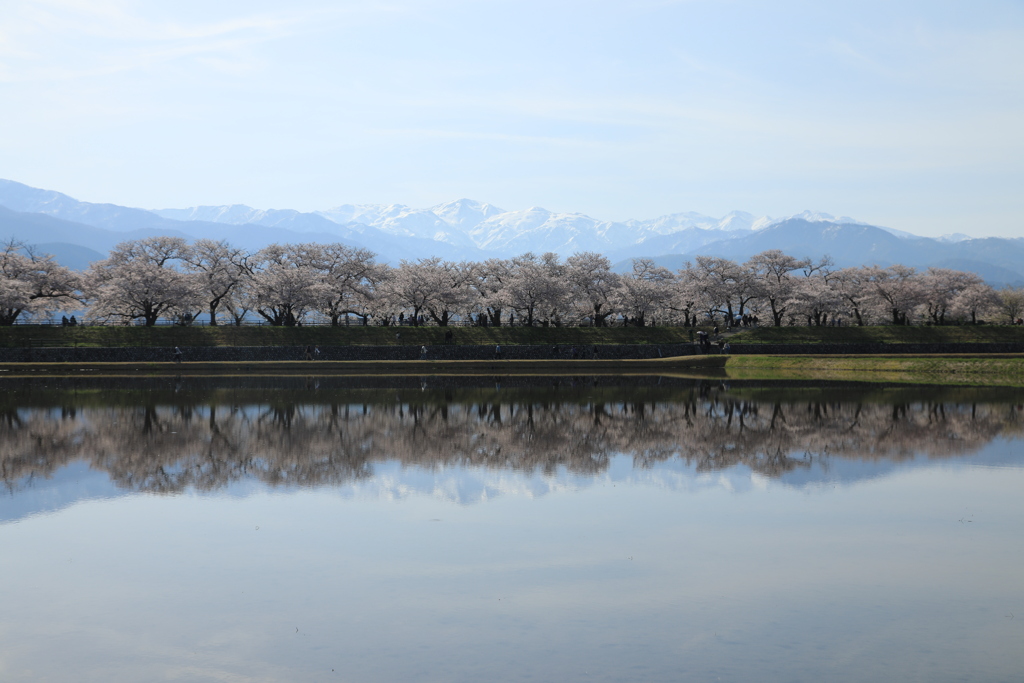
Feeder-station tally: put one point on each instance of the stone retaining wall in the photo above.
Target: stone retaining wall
(380, 353)
(465, 352)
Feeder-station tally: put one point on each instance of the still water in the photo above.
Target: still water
(496, 529)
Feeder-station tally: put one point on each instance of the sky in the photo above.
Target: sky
(903, 114)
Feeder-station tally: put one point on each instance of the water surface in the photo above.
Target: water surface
(509, 529)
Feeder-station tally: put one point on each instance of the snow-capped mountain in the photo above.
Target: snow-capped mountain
(671, 223)
(465, 214)
(468, 228)
(78, 232)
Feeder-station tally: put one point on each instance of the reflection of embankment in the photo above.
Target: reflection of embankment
(205, 445)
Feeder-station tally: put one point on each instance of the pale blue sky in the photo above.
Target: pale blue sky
(906, 114)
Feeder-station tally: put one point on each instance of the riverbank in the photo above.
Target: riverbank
(946, 369)
(950, 370)
(381, 368)
(882, 334)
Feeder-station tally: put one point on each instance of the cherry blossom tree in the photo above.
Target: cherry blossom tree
(447, 284)
(345, 277)
(281, 288)
(686, 296)
(773, 280)
(409, 287)
(219, 270)
(817, 294)
(724, 286)
(32, 283)
(592, 285)
(976, 299)
(645, 291)
(853, 286)
(537, 287)
(940, 287)
(141, 279)
(490, 282)
(897, 289)
(1011, 303)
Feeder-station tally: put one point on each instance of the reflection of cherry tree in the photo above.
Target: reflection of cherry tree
(205, 444)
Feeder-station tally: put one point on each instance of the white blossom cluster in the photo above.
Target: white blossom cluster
(168, 279)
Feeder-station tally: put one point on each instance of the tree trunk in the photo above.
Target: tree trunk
(9, 315)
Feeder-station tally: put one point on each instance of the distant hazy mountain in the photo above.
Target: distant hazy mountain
(73, 256)
(76, 232)
(998, 260)
(25, 199)
(100, 226)
(39, 228)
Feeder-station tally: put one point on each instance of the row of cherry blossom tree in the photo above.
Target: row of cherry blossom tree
(166, 278)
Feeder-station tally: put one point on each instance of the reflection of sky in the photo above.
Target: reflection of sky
(472, 485)
(908, 576)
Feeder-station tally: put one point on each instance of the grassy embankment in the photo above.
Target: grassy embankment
(1002, 369)
(989, 369)
(167, 336)
(994, 370)
(886, 334)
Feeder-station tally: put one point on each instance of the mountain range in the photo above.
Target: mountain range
(77, 233)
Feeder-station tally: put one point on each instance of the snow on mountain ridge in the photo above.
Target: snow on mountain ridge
(465, 214)
(459, 229)
(953, 237)
(471, 225)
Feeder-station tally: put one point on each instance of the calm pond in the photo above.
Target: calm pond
(509, 529)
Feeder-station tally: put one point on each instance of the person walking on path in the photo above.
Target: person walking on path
(423, 353)
(309, 353)
(177, 354)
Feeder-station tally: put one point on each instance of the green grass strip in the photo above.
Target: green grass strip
(964, 369)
